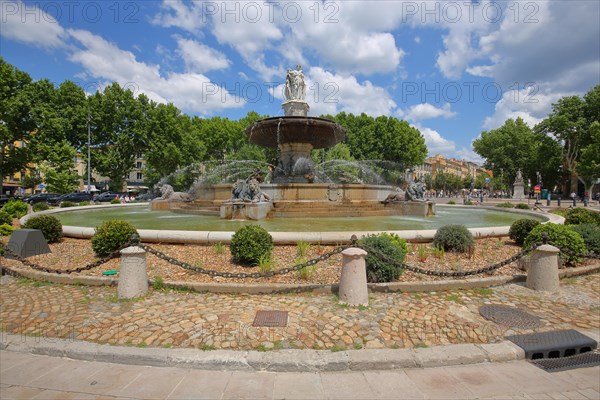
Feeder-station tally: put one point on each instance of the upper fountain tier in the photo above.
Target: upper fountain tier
(273, 132)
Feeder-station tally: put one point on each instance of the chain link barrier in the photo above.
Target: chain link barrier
(454, 274)
(243, 275)
(95, 264)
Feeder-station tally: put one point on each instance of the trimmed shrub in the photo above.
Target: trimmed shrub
(37, 207)
(520, 229)
(84, 203)
(456, 238)
(505, 205)
(379, 270)
(6, 229)
(451, 202)
(48, 224)
(522, 206)
(570, 243)
(115, 201)
(65, 204)
(111, 235)
(590, 233)
(5, 218)
(15, 208)
(468, 203)
(251, 243)
(576, 216)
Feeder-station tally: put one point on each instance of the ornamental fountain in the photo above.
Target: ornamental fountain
(295, 190)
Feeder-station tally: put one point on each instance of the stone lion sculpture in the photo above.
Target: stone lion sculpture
(394, 197)
(415, 191)
(167, 193)
(248, 192)
(256, 195)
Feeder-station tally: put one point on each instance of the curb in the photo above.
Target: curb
(279, 288)
(274, 361)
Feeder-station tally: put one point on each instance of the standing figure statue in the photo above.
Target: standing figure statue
(295, 88)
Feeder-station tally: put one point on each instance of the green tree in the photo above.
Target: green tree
(588, 167)
(515, 146)
(16, 120)
(118, 132)
(58, 171)
(570, 123)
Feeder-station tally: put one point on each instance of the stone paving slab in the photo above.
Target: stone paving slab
(495, 380)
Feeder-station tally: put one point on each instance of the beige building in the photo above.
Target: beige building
(134, 182)
(434, 165)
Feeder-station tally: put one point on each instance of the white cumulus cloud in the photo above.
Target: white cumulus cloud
(199, 57)
(30, 25)
(423, 111)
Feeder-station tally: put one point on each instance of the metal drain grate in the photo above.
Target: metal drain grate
(509, 316)
(562, 364)
(271, 318)
(555, 344)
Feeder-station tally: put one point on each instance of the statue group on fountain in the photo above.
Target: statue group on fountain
(247, 191)
(295, 88)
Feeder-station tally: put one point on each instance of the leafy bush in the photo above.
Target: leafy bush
(15, 208)
(115, 201)
(37, 207)
(112, 235)
(505, 205)
(390, 245)
(48, 224)
(570, 243)
(456, 238)
(251, 243)
(6, 229)
(451, 202)
(560, 211)
(468, 203)
(520, 229)
(590, 233)
(522, 206)
(576, 216)
(65, 204)
(5, 218)
(84, 203)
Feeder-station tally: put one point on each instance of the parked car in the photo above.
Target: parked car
(105, 197)
(40, 198)
(76, 197)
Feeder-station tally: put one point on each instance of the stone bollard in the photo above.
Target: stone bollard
(542, 273)
(133, 278)
(353, 283)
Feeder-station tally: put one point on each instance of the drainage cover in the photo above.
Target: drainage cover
(271, 318)
(554, 344)
(509, 316)
(562, 364)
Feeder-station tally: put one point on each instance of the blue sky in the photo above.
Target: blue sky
(451, 69)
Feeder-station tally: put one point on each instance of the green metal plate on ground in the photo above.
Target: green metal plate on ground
(110, 272)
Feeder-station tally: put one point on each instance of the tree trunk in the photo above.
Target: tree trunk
(574, 182)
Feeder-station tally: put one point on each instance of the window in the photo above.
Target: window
(138, 165)
(139, 176)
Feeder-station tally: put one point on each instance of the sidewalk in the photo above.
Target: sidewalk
(30, 376)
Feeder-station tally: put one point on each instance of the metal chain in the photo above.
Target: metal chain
(243, 275)
(95, 264)
(418, 270)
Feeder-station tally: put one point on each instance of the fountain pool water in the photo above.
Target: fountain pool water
(144, 218)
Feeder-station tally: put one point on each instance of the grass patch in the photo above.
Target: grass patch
(261, 347)
(454, 298)
(357, 346)
(486, 292)
(335, 348)
(159, 283)
(206, 347)
(421, 346)
(219, 248)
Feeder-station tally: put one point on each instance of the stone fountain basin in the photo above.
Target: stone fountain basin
(272, 132)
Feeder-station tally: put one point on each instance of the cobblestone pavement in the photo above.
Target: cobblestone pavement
(207, 321)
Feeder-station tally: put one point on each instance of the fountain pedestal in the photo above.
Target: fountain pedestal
(295, 108)
(243, 210)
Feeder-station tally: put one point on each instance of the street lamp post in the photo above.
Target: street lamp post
(89, 172)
